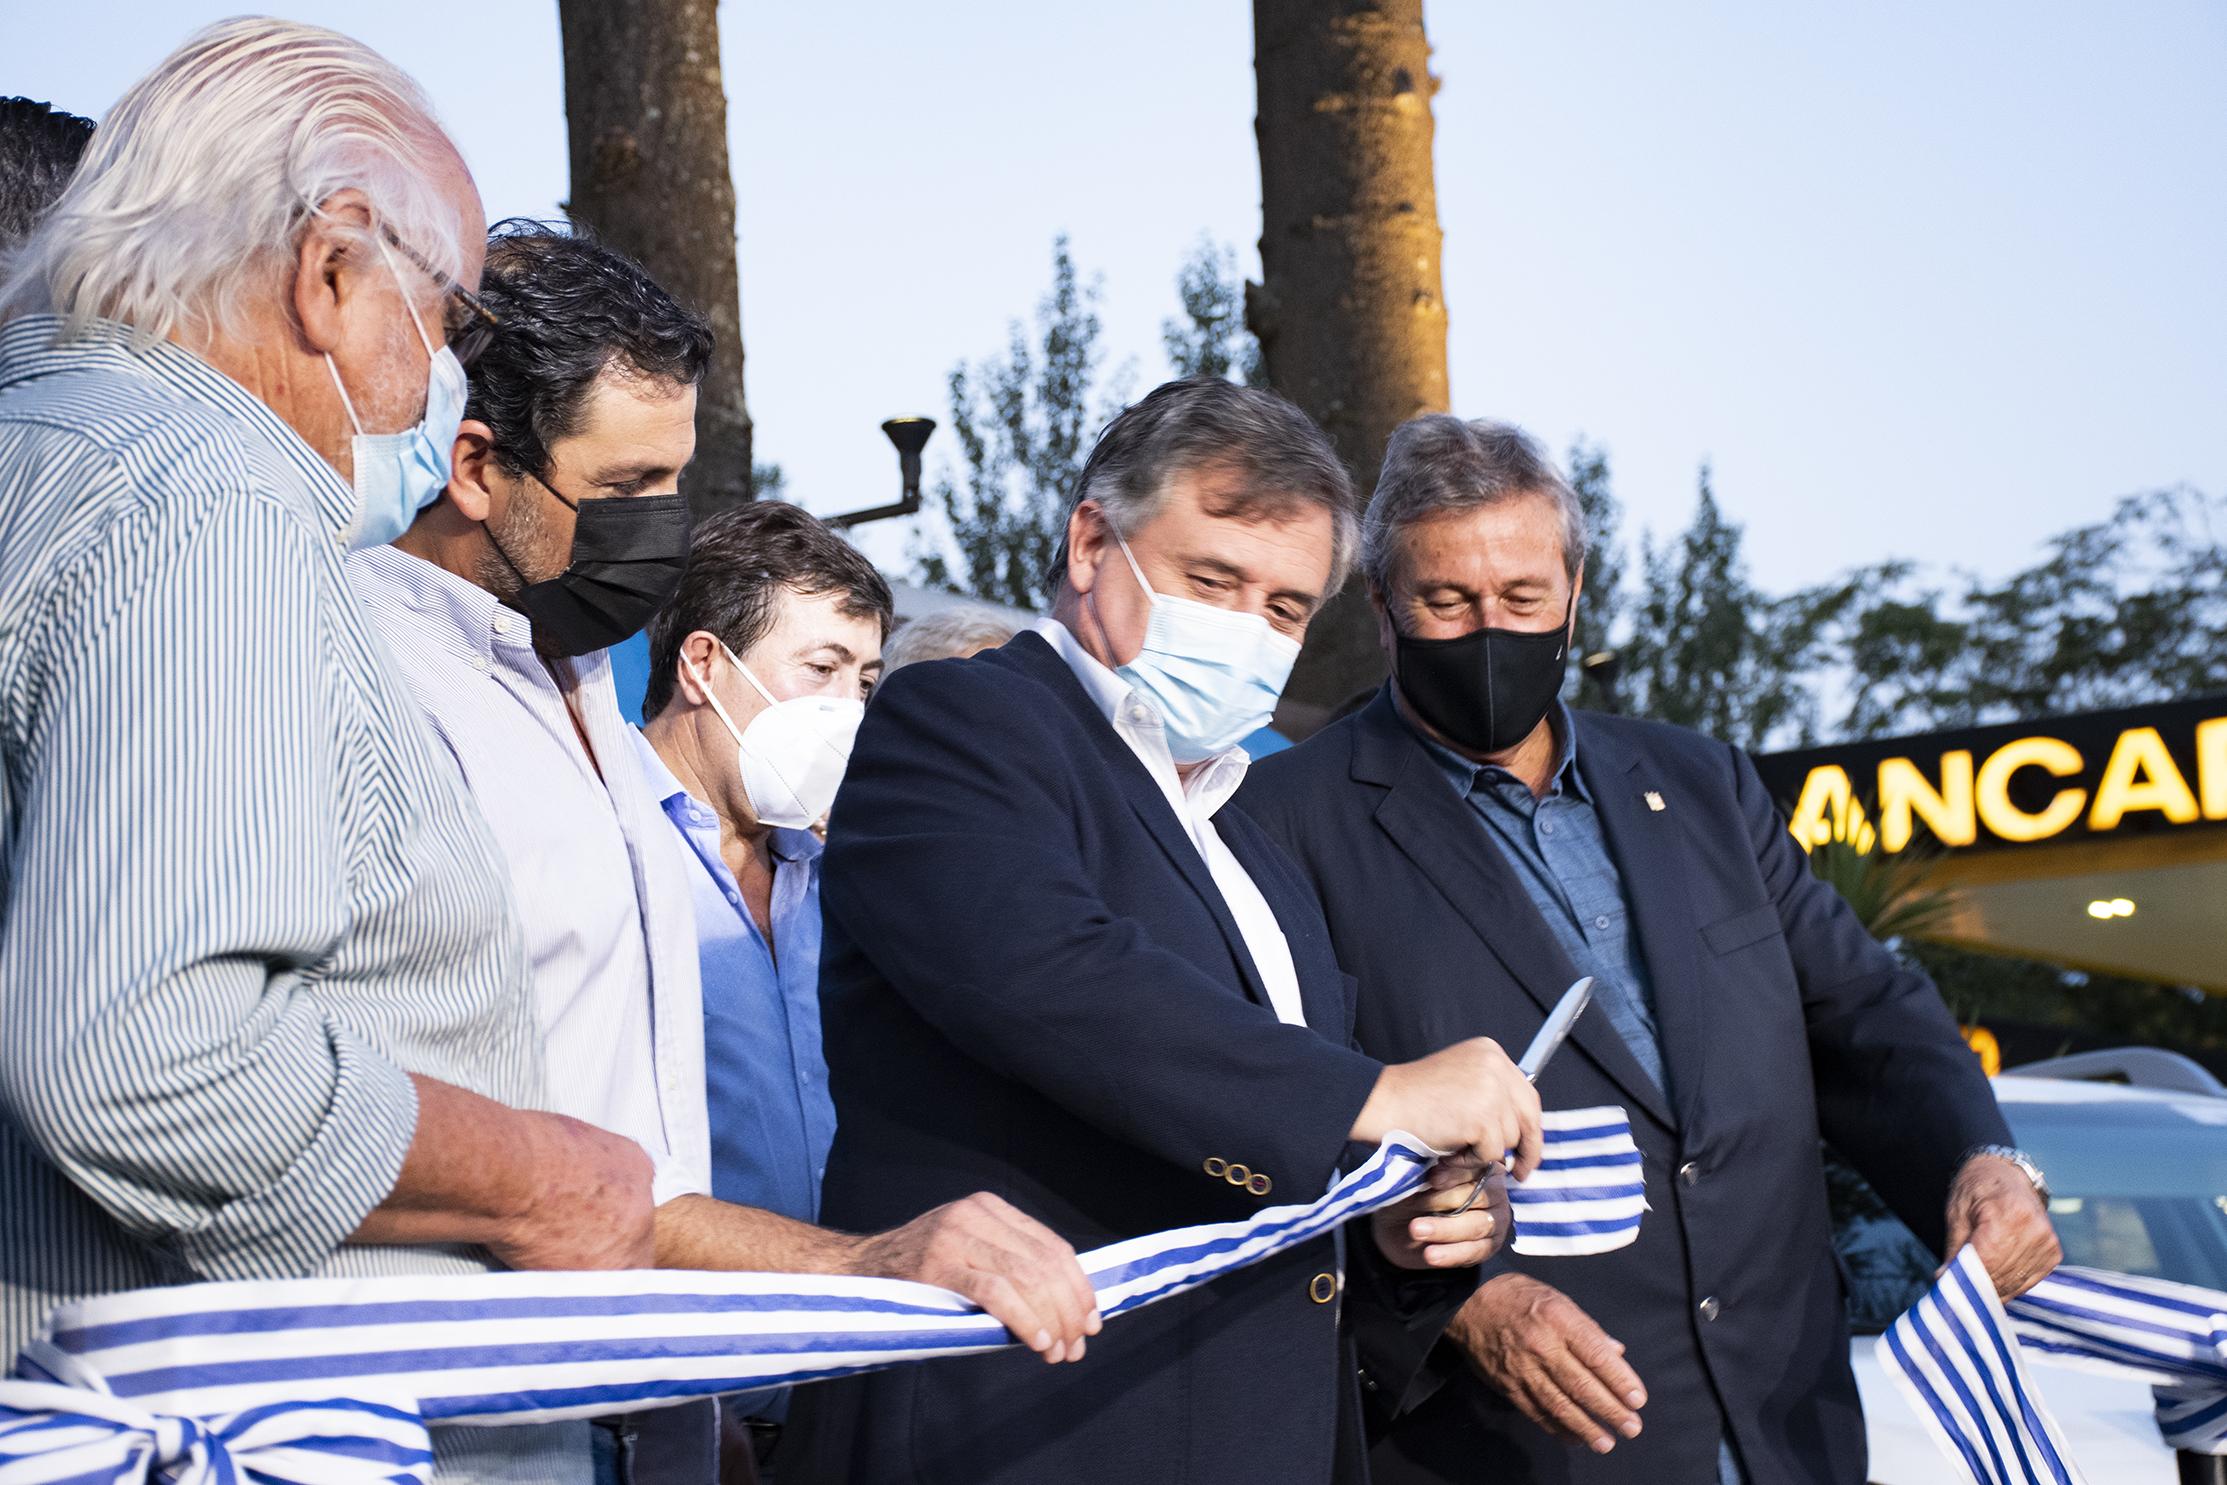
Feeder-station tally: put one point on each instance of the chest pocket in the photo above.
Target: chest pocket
(1741, 929)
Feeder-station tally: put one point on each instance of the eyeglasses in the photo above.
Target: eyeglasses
(467, 325)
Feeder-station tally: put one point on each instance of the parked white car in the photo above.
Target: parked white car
(2138, 1177)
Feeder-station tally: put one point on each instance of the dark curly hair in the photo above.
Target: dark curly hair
(39, 150)
(569, 308)
(738, 563)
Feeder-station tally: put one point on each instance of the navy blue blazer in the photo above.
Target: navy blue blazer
(1031, 986)
(1781, 1021)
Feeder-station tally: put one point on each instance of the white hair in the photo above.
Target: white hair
(961, 629)
(194, 190)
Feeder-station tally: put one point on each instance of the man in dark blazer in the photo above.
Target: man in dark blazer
(1477, 847)
(1055, 968)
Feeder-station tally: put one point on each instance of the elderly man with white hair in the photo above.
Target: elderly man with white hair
(265, 1007)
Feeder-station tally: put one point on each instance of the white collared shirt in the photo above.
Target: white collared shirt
(1137, 722)
(596, 873)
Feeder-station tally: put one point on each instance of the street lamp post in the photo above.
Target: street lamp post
(910, 435)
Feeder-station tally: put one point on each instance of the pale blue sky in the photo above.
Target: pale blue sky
(1917, 278)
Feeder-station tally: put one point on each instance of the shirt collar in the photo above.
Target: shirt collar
(485, 625)
(33, 346)
(1129, 711)
(690, 813)
(1467, 774)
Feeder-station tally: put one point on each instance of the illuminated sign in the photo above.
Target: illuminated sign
(2101, 773)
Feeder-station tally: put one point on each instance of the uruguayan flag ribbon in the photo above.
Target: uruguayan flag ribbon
(1959, 1355)
(2173, 1336)
(1587, 1195)
(332, 1382)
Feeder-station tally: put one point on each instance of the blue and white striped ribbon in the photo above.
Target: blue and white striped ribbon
(331, 1382)
(1958, 1354)
(2173, 1336)
(1587, 1195)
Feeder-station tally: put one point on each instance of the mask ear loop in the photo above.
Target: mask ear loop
(1151, 598)
(347, 403)
(412, 310)
(704, 680)
(758, 686)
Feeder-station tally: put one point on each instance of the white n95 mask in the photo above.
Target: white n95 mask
(1214, 675)
(793, 753)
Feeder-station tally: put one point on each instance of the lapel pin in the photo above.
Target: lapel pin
(1655, 801)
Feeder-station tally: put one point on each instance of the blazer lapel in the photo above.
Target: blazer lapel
(1322, 997)
(1143, 793)
(1647, 844)
(1432, 826)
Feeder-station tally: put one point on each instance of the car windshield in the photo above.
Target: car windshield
(2138, 1186)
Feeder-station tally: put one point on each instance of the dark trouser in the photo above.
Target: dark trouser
(667, 1446)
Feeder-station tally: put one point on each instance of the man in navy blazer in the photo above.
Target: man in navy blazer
(1477, 847)
(1057, 969)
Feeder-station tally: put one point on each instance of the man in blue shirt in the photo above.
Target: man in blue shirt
(759, 671)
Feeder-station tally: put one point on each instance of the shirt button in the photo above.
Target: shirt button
(1546, 827)
(1689, 1174)
(1601, 922)
(1709, 1308)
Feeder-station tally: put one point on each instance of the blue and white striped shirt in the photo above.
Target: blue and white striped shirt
(240, 894)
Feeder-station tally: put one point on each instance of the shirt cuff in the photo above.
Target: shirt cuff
(291, 1228)
(670, 1178)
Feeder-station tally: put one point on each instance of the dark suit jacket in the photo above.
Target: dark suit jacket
(1031, 986)
(1781, 1020)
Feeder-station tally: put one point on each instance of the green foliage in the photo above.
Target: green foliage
(1709, 650)
(1891, 892)
(2043, 1010)
(768, 481)
(1603, 601)
(1023, 422)
(1209, 338)
(2127, 610)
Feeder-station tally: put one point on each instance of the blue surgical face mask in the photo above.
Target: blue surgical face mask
(400, 474)
(1214, 675)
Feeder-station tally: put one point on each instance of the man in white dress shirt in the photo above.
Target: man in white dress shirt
(561, 531)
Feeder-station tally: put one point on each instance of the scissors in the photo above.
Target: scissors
(1551, 1036)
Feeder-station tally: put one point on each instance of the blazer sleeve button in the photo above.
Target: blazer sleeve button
(1258, 1184)
(1216, 1167)
(1238, 1175)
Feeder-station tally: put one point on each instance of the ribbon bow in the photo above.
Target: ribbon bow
(56, 1435)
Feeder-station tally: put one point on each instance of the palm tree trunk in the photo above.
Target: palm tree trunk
(1351, 314)
(647, 112)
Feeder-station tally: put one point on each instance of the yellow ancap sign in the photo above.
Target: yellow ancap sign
(1964, 794)
(1985, 1047)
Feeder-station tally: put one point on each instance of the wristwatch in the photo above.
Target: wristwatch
(2019, 1158)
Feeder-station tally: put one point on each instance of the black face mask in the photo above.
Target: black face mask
(628, 554)
(1485, 690)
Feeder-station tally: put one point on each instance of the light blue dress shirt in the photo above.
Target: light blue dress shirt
(772, 1119)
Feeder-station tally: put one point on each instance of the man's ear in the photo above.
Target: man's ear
(327, 269)
(693, 665)
(1089, 533)
(1384, 631)
(471, 466)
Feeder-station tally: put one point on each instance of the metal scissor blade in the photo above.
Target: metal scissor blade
(1557, 1029)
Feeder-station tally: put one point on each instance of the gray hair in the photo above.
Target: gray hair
(1281, 459)
(944, 635)
(196, 185)
(1438, 465)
